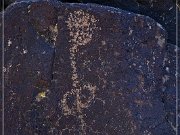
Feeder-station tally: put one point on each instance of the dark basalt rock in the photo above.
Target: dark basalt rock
(75, 69)
(169, 87)
(163, 11)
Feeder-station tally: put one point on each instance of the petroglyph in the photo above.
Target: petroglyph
(100, 80)
(81, 26)
(64, 104)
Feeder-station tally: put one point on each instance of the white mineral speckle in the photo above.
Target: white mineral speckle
(9, 42)
(103, 42)
(161, 40)
(4, 69)
(167, 69)
(165, 78)
(130, 31)
(149, 25)
(38, 72)
(25, 51)
(29, 8)
(171, 8)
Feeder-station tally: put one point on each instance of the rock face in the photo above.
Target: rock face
(169, 86)
(163, 11)
(76, 69)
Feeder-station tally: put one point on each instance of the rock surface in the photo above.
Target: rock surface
(163, 11)
(75, 69)
(169, 87)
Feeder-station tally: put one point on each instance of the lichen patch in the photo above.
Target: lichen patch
(41, 96)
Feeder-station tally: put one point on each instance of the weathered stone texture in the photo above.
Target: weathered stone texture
(163, 11)
(75, 69)
(170, 84)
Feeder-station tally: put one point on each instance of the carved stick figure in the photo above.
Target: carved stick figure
(81, 26)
